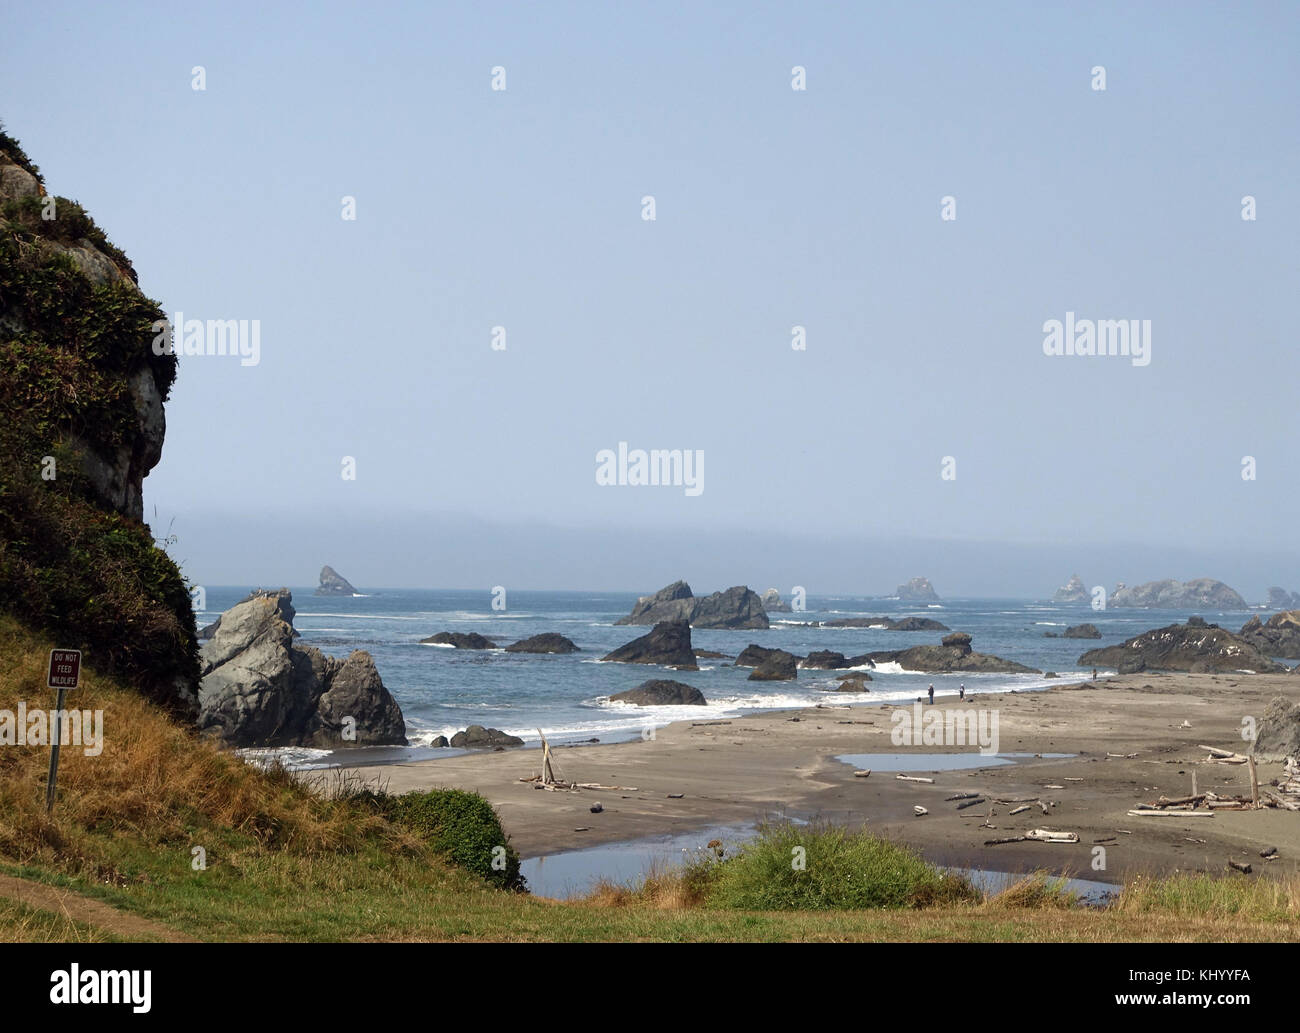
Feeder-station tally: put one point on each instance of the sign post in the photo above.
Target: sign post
(65, 673)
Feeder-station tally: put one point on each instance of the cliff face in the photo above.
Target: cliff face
(82, 392)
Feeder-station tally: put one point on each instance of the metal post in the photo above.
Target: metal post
(54, 753)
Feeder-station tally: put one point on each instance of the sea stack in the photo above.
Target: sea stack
(334, 583)
(918, 590)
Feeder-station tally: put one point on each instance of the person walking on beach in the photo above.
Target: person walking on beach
(962, 692)
(931, 693)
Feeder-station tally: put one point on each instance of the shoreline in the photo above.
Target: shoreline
(775, 763)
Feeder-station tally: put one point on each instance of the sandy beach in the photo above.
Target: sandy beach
(784, 762)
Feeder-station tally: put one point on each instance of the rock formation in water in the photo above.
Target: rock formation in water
(1083, 631)
(667, 643)
(476, 737)
(460, 640)
(333, 583)
(777, 665)
(547, 642)
(1200, 593)
(1278, 636)
(1281, 599)
(773, 603)
(662, 692)
(918, 590)
(1195, 647)
(954, 655)
(736, 608)
(1073, 591)
(260, 688)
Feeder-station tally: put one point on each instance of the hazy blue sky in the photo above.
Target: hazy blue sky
(775, 208)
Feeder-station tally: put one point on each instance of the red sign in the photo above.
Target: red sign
(65, 668)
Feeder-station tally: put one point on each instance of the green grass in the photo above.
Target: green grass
(817, 868)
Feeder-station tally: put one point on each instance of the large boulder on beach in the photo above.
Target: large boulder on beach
(1082, 631)
(547, 642)
(736, 608)
(1277, 735)
(1278, 636)
(667, 643)
(260, 688)
(1202, 593)
(1196, 648)
(1073, 591)
(476, 737)
(773, 603)
(459, 640)
(661, 692)
(953, 656)
(333, 583)
(778, 665)
(917, 590)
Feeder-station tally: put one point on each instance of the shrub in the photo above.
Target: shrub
(839, 870)
(463, 827)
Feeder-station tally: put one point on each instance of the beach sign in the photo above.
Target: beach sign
(65, 674)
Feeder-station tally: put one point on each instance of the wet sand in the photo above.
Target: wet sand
(784, 763)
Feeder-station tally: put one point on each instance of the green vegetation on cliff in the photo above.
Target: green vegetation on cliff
(82, 393)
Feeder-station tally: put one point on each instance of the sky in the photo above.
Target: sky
(774, 208)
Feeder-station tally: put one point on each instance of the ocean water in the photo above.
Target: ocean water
(443, 690)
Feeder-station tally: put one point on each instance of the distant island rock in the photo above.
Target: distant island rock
(667, 643)
(259, 688)
(547, 642)
(1281, 599)
(459, 639)
(1083, 631)
(773, 603)
(738, 608)
(662, 692)
(1195, 647)
(954, 655)
(1073, 591)
(1278, 636)
(917, 590)
(476, 737)
(333, 583)
(1202, 593)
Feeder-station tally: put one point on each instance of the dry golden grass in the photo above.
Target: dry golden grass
(153, 779)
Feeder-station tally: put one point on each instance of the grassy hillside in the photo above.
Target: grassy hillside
(285, 863)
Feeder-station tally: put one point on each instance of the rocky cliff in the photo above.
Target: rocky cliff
(82, 393)
(1202, 593)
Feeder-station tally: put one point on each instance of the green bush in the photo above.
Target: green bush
(823, 868)
(462, 826)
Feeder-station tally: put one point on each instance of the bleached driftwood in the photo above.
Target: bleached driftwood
(914, 778)
(1169, 814)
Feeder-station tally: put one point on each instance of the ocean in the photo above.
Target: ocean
(443, 690)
